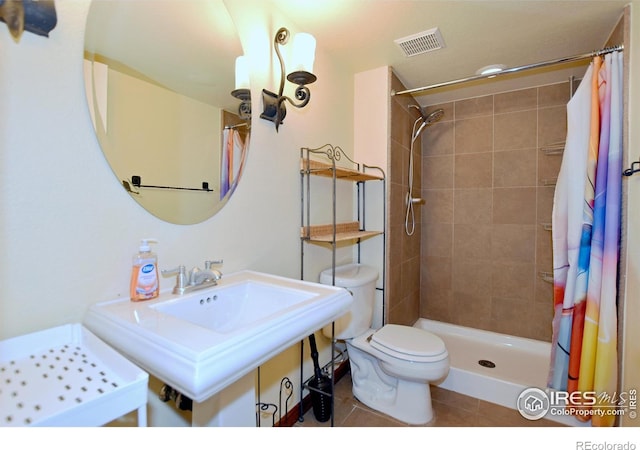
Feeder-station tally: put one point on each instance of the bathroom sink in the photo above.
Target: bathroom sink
(201, 342)
(230, 309)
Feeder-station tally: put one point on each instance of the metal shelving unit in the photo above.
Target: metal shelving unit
(327, 161)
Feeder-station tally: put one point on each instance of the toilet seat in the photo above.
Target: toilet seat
(408, 343)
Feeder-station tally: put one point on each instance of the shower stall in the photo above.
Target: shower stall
(488, 179)
(480, 255)
(471, 199)
(481, 251)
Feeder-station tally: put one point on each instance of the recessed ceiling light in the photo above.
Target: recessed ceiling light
(491, 69)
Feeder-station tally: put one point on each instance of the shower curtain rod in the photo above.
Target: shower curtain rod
(514, 69)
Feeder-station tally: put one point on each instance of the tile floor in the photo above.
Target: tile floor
(451, 409)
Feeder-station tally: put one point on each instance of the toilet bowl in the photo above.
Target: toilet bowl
(391, 367)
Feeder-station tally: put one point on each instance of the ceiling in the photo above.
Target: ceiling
(150, 37)
(360, 34)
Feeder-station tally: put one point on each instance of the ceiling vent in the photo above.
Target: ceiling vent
(420, 43)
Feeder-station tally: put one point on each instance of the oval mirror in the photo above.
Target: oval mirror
(159, 80)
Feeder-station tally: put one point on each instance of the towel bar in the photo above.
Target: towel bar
(633, 169)
(136, 180)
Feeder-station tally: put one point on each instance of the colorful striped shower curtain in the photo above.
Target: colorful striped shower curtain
(231, 159)
(586, 235)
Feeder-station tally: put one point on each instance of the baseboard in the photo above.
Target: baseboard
(293, 416)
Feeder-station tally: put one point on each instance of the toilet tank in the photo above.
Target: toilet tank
(360, 280)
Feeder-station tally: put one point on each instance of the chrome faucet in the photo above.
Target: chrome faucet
(196, 279)
(198, 276)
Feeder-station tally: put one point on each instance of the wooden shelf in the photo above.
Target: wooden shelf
(342, 173)
(344, 232)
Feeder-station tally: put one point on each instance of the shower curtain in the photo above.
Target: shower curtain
(586, 235)
(232, 155)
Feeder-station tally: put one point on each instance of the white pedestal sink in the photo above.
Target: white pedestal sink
(206, 341)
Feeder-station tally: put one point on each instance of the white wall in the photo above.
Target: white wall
(372, 137)
(631, 334)
(67, 227)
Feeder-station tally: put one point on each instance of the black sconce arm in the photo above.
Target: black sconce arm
(274, 109)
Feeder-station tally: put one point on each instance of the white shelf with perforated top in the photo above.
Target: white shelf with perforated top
(66, 376)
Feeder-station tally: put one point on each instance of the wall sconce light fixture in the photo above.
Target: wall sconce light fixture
(242, 91)
(304, 48)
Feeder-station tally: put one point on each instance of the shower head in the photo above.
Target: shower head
(426, 120)
(432, 117)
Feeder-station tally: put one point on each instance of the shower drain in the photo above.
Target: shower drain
(487, 363)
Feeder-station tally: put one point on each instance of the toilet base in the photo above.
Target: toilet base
(405, 400)
(412, 411)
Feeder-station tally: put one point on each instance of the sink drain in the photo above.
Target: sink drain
(487, 363)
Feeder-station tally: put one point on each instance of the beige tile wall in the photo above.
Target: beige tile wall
(403, 265)
(489, 191)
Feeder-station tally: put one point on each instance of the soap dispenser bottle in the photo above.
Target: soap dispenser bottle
(145, 283)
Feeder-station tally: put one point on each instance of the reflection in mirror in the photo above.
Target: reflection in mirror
(159, 80)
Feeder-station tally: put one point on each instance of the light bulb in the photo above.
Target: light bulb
(242, 73)
(304, 52)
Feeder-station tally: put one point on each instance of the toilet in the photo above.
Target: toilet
(391, 367)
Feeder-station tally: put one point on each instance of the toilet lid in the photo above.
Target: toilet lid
(410, 342)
